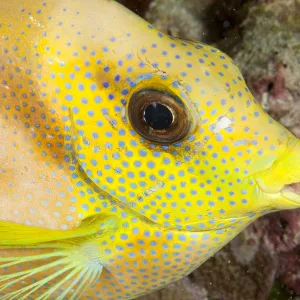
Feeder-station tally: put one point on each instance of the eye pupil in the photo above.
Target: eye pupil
(158, 116)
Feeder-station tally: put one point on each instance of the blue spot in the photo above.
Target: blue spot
(97, 99)
(143, 153)
(88, 74)
(124, 236)
(151, 164)
(182, 237)
(122, 132)
(75, 110)
(169, 236)
(85, 207)
(69, 97)
(225, 148)
(129, 153)
(199, 203)
(124, 92)
(109, 179)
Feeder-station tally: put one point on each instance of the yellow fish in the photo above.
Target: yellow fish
(128, 157)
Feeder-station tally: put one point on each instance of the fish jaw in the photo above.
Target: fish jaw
(280, 182)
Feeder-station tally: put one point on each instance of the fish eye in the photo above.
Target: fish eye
(159, 116)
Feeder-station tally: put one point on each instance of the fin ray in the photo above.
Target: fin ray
(66, 252)
(92, 278)
(60, 283)
(70, 264)
(26, 273)
(80, 275)
(34, 286)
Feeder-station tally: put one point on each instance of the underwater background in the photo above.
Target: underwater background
(263, 37)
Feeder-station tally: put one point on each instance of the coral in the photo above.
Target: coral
(224, 277)
(179, 18)
(175, 290)
(269, 56)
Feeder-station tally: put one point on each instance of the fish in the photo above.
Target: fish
(128, 156)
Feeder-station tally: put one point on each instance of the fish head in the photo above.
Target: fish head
(166, 126)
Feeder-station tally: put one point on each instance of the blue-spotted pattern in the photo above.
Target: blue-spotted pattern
(68, 70)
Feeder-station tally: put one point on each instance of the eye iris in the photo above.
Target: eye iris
(158, 116)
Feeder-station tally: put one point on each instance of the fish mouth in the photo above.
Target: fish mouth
(280, 182)
(291, 192)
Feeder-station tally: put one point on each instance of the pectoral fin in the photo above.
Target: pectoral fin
(73, 262)
(12, 234)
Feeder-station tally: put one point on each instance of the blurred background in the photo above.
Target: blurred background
(263, 37)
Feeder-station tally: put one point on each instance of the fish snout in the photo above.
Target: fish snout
(281, 181)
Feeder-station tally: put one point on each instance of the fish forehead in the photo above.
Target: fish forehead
(87, 74)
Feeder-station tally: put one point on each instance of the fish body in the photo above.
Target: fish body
(95, 202)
